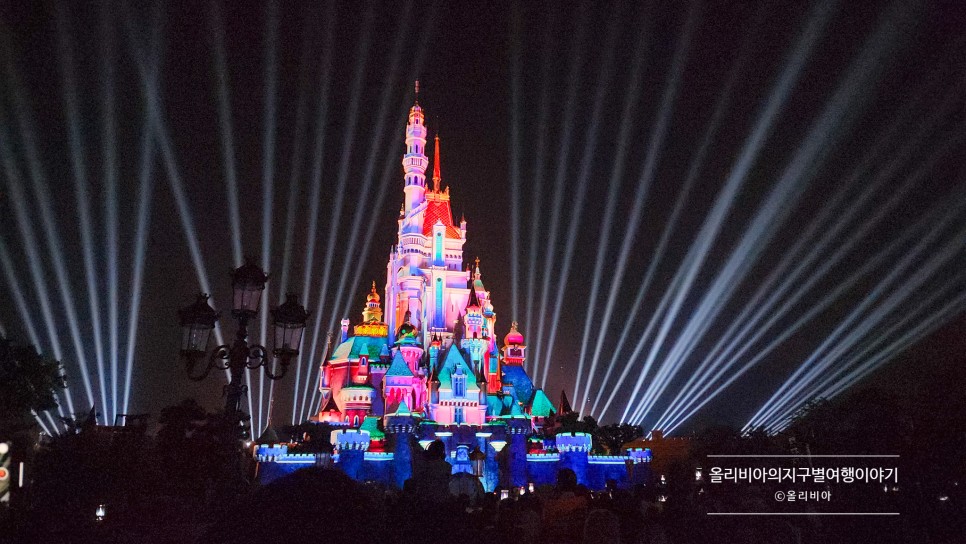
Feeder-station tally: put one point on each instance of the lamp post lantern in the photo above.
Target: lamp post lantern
(198, 320)
(478, 460)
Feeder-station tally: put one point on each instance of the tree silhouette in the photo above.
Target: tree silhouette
(615, 435)
(28, 383)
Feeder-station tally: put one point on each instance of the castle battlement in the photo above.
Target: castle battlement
(543, 457)
(350, 439)
(574, 442)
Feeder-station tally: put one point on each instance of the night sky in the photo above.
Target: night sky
(463, 55)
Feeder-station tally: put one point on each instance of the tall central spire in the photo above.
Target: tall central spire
(436, 176)
(415, 160)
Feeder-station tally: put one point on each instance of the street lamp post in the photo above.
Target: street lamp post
(198, 320)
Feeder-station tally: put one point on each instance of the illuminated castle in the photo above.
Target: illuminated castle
(437, 354)
(434, 368)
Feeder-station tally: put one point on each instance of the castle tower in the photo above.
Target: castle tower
(401, 425)
(356, 398)
(475, 339)
(514, 351)
(356, 402)
(491, 354)
(425, 275)
(398, 384)
(415, 161)
(372, 313)
(351, 445)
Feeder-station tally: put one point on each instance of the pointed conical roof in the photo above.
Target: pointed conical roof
(268, 436)
(402, 410)
(477, 276)
(540, 405)
(399, 367)
(458, 330)
(371, 425)
(329, 405)
(473, 301)
(564, 407)
(436, 177)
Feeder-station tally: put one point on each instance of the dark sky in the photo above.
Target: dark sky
(466, 76)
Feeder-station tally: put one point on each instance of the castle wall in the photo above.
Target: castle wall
(542, 468)
(388, 468)
(377, 467)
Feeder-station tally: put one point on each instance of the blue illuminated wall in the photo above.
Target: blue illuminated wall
(512, 467)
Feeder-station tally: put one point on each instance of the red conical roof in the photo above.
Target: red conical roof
(436, 177)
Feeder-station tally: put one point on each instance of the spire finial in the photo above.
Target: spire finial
(416, 99)
(436, 177)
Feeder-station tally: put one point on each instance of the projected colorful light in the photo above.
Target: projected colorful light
(691, 207)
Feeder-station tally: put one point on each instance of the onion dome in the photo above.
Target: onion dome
(373, 295)
(514, 337)
(407, 328)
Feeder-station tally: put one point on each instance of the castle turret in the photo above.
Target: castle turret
(356, 403)
(514, 355)
(415, 161)
(351, 446)
(398, 384)
(401, 425)
(372, 312)
(425, 274)
(475, 340)
(574, 449)
(518, 429)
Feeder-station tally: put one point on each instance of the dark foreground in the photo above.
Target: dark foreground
(320, 505)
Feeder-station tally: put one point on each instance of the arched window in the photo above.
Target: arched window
(355, 421)
(459, 385)
(439, 303)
